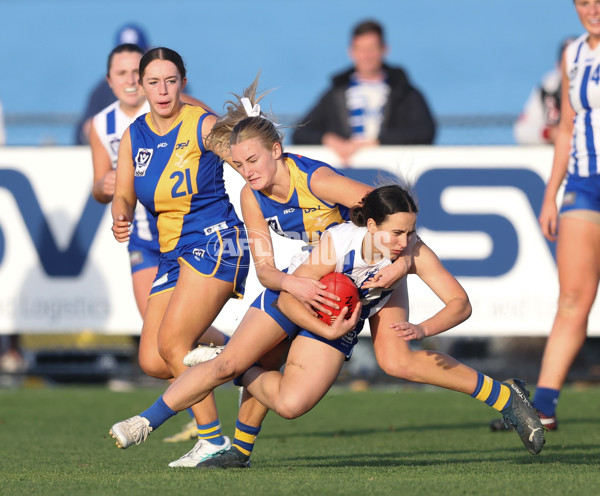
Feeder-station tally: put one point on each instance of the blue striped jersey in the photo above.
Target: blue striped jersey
(583, 71)
(347, 239)
(110, 124)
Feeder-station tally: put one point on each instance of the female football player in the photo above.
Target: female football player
(297, 197)
(165, 163)
(380, 233)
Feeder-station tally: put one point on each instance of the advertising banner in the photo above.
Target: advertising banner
(62, 271)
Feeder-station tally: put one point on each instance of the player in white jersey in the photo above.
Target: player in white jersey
(107, 129)
(382, 228)
(577, 225)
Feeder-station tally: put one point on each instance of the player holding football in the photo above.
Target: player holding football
(382, 228)
(299, 198)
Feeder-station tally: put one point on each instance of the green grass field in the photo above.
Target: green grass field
(54, 441)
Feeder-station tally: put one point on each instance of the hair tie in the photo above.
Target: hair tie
(250, 110)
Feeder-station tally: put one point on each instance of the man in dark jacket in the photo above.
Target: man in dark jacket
(369, 104)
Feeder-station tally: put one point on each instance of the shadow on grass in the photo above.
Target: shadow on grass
(564, 422)
(571, 455)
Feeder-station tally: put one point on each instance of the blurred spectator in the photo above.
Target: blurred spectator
(538, 122)
(2, 127)
(101, 95)
(11, 356)
(369, 104)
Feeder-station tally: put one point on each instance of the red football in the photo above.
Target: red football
(342, 286)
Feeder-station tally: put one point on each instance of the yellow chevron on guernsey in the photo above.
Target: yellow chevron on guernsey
(182, 184)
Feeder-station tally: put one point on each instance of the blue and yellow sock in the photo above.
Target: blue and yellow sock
(545, 400)
(245, 437)
(211, 433)
(491, 392)
(158, 413)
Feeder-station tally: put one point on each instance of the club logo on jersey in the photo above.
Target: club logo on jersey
(198, 253)
(274, 224)
(142, 161)
(114, 145)
(573, 73)
(349, 338)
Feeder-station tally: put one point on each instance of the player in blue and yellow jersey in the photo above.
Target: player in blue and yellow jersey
(106, 131)
(382, 230)
(296, 197)
(165, 164)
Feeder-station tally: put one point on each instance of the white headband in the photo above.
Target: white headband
(250, 111)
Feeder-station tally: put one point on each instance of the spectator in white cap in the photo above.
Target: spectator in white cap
(132, 33)
(101, 95)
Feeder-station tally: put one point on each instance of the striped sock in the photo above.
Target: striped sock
(158, 413)
(245, 437)
(211, 432)
(491, 392)
(545, 400)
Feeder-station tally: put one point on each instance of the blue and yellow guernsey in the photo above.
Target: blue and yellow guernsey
(302, 215)
(179, 181)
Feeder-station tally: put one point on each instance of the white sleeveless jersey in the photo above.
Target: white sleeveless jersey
(110, 124)
(583, 71)
(347, 240)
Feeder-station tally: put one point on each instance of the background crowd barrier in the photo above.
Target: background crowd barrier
(61, 270)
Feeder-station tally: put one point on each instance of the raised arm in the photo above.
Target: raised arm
(124, 199)
(215, 146)
(321, 261)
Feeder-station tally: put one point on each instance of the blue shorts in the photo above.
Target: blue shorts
(345, 344)
(142, 254)
(224, 256)
(267, 302)
(581, 193)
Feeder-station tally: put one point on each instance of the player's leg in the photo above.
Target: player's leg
(250, 417)
(311, 368)
(397, 359)
(578, 261)
(142, 282)
(143, 274)
(195, 303)
(151, 362)
(253, 338)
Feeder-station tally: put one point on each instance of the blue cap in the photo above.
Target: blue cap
(130, 33)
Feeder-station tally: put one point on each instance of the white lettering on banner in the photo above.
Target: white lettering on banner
(55, 309)
(477, 211)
